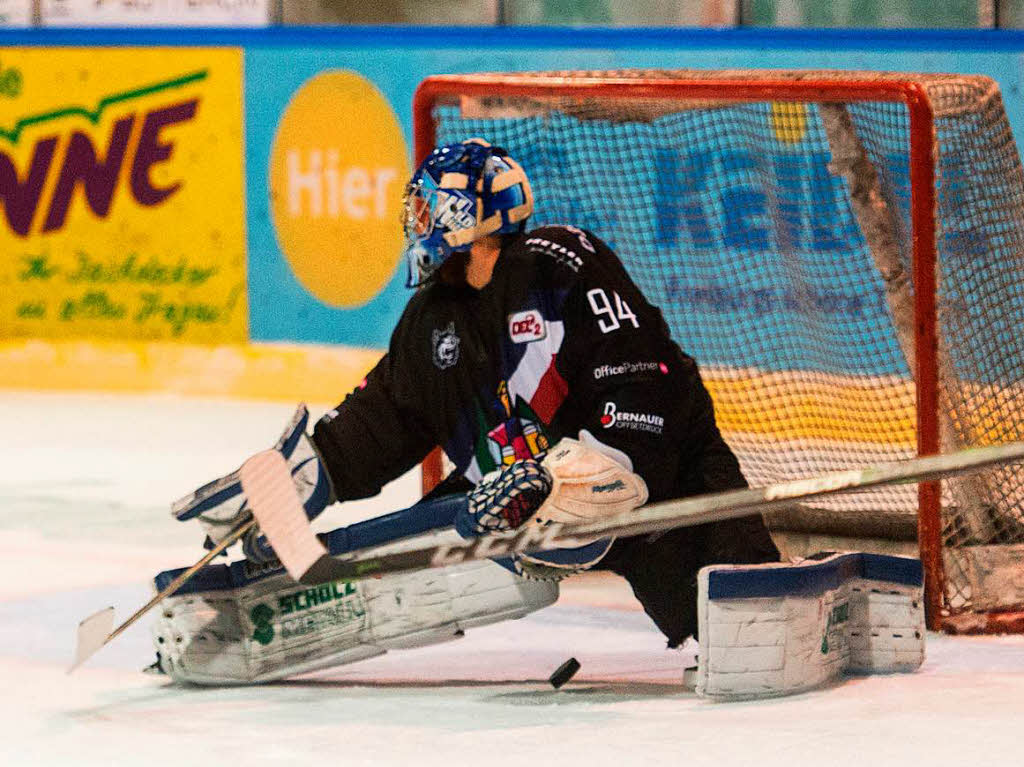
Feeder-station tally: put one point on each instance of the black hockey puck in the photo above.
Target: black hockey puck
(564, 673)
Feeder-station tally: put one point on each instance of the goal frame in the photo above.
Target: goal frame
(922, 154)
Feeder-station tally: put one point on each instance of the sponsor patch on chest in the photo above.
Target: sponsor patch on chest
(614, 418)
(526, 326)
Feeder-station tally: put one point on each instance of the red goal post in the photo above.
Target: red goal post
(500, 101)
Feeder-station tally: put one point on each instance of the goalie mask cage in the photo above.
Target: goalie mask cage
(841, 253)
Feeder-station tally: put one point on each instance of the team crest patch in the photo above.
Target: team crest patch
(446, 347)
(527, 326)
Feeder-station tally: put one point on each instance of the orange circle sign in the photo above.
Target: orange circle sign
(338, 166)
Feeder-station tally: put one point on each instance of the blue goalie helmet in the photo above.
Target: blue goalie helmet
(459, 194)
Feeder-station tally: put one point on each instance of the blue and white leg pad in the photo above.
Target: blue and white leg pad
(233, 624)
(221, 505)
(777, 629)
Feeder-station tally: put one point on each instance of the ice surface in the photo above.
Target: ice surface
(85, 488)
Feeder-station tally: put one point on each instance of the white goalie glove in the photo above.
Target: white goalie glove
(590, 481)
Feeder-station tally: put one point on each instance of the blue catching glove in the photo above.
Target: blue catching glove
(220, 506)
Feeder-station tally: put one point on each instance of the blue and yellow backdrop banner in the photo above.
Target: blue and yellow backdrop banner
(323, 270)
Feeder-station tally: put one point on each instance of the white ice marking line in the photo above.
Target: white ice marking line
(92, 635)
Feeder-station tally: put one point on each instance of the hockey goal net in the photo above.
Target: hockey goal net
(842, 254)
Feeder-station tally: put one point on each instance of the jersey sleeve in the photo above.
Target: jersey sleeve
(633, 388)
(374, 436)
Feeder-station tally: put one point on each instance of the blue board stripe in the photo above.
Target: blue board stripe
(506, 37)
(811, 579)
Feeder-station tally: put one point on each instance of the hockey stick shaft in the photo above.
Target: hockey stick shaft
(665, 515)
(90, 642)
(178, 582)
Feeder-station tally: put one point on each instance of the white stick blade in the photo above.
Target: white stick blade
(92, 635)
(275, 503)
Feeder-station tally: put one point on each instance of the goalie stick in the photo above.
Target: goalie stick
(98, 629)
(310, 563)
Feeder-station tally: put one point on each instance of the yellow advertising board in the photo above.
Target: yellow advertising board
(122, 194)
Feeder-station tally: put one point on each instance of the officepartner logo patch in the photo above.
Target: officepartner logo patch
(630, 369)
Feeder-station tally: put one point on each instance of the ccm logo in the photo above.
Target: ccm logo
(527, 326)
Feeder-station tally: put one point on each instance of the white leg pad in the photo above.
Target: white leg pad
(273, 628)
(778, 629)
